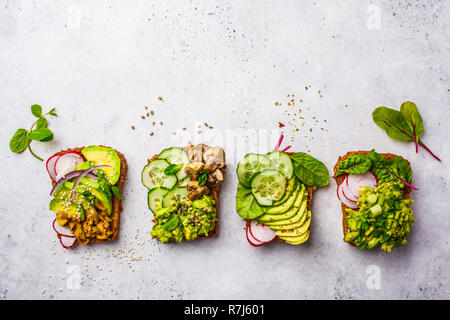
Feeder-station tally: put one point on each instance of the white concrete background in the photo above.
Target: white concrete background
(224, 62)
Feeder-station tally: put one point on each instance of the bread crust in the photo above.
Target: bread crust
(214, 193)
(117, 207)
(340, 178)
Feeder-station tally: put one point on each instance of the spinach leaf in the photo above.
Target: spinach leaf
(405, 125)
(401, 168)
(246, 205)
(412, 116)
(19, 141)
(393, 122)
(309, 170)
(354, 164)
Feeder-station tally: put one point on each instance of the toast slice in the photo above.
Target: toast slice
(340, 178)
(117, 207)
(213, 192)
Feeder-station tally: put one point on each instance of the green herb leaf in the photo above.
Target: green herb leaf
(246, 205)
(393, 122)
(409, 111)
(36, 110)
(52, 112)
(41, 134)
(309, 170)
(172, 223)
(354, 164)
(19, 141)
(41, 123)
(172, 169)
(117, 192)
(202, 177)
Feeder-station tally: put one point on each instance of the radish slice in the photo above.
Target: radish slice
(67, 242)
(261, 232)
(348, 193)
(67, 163)
(50, 165)
(343, 198)
(251, 239)
(62, 231)
(357, 181)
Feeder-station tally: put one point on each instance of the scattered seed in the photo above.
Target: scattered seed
(151, 133)
(133, 127)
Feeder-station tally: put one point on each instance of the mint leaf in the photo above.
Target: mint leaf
(19, 141)
(36, 110)
(41, 123)
(41, 134)
(172, 169)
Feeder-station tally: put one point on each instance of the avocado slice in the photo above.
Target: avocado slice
(284, 207)
(289, 214)
(296, 240)
(104, 156)
(301, 215)
(64, 193)
(297, 231)
(89, 185)
(291, 226)
(72, 209)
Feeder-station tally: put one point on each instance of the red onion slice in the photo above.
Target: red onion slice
(69, 176)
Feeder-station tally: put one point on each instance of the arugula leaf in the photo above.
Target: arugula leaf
(309, 170)
(36, 110)
(172, 169)
(41, 134)
(117, 192)
(354, 164)
(19, 141)
(409, 111)
(246, 205)
(202, 177)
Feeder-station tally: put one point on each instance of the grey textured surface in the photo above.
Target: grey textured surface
(226, 63)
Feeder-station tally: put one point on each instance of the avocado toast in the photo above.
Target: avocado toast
(87, 184)
(375, 191)
(183, 195)
(274, 195)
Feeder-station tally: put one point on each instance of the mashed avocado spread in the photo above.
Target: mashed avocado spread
(185, 220)
(384, 217)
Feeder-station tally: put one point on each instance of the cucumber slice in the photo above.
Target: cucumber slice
(155, 197)
(251, 164)
(177, 194)
(175, 155)
(184, 182)
(268, 186)
(282, 162)
(153, 175)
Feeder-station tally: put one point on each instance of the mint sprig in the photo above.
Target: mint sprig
(38, 131)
